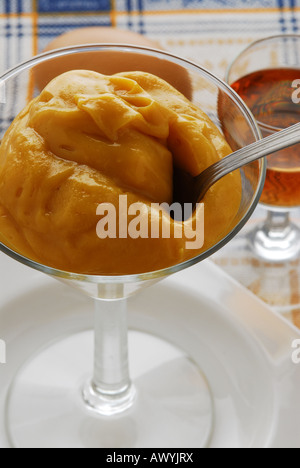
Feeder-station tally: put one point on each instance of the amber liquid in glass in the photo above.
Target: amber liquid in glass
(272, 98)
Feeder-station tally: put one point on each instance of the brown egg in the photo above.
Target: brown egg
(111, 61)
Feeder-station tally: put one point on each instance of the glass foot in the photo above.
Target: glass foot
(276, 283)
(275, 245)
(172, 406)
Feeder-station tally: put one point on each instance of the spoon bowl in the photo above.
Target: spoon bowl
(191, 190)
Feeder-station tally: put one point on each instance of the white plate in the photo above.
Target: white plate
(244, 349)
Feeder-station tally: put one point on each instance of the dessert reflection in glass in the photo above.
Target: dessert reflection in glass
(266, 76)
(88, 139)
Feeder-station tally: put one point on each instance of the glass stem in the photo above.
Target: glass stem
(277, 221)
(110, 390)
(111, 372)
(276, 239)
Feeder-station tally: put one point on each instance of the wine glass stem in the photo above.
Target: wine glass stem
(278, 221)
(111, 372)
(276, 239)
(111, 390)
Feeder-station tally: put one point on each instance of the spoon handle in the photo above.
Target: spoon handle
(259, 149)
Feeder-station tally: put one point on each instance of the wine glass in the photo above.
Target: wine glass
(159, 409)
(265, 75)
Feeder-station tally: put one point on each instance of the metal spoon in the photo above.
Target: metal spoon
(189, 189)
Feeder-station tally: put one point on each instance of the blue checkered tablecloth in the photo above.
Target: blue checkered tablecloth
(210, 32)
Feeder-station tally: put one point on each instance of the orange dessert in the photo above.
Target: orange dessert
(89, 138)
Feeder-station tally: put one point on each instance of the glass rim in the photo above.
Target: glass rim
(262, 125)
(220, 84)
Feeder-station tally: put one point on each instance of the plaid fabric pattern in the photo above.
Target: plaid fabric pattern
(209, 32)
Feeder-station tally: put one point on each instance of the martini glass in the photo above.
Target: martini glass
(168, 405)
